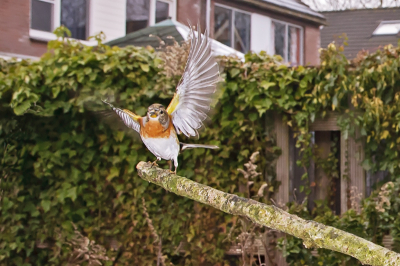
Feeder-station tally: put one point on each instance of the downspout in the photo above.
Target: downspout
(208, 11)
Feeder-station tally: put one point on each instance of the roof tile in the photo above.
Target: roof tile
(358, 25)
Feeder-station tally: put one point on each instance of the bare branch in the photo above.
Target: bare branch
(314, 235)
(334, 5)
(160, 257)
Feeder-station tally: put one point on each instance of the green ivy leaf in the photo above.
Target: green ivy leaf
(253, 117)
(22, 107)
(266, 85)
(234, 72)
(46, 205)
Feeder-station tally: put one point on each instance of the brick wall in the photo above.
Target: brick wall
(312, 43)
(193, 11)
(14, 29)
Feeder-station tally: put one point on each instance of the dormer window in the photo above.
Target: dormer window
(391, 27)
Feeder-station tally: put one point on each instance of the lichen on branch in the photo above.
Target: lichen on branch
(313, 234)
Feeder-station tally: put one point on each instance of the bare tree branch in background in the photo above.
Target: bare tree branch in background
(313, 234)
(333, 5)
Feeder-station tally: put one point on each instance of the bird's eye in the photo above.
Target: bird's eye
(161, 112)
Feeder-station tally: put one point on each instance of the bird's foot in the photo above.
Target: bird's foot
(172, 172)
(154, 163)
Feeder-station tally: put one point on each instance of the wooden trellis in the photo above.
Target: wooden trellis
(352, 174)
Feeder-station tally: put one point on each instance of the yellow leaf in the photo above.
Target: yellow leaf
(145, 67)
(384, 134)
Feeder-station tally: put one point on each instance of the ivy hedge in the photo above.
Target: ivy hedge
(68, 165)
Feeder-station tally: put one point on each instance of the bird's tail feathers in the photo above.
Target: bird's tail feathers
(186, 146)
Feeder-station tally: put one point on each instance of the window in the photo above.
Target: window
(137, 15)
(162, 11)
(73, 16)
(232, 28)
(388, 28)
(143, 13)
(46, 15)
(42, 15)
(287, 41)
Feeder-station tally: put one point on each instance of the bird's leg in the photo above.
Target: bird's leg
(170, 167)
(175, 164)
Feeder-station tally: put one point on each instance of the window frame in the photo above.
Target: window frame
(45, 36)
(152, 11)
(171, 11)
(233, 23)
(287, 25)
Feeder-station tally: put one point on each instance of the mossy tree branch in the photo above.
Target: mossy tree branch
(312, 233)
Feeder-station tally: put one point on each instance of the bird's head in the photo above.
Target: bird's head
(157, 112)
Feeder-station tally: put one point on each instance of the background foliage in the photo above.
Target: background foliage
(67, 166)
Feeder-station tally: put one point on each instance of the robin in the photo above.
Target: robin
(187, 109)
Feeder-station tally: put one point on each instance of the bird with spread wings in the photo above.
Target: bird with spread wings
(187, 110)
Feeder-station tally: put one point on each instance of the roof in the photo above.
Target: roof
(293, 8)
(163, 30)
(295, 5)
(359, 25)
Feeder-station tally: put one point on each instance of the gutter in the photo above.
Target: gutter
(19, 57)
(285, 11)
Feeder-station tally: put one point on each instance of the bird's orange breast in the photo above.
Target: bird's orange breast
(154, 129)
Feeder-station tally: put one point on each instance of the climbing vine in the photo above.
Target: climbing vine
(68, 165)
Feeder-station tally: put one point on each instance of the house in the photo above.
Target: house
(285, 27)
(366, 29)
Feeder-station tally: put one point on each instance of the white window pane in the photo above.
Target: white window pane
(279, 38)
(242, 32)
(41, 15)
(73, 16)
(137, 15)
(162, 11)
(388, 28)
(222, 25)
(294, 46)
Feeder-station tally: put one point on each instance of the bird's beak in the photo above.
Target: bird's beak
(153, 115)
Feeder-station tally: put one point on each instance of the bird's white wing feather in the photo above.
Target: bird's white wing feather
(130, 119)
(127, 118)
(195, 91)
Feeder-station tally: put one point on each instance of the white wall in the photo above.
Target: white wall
(108, 16)
(260, 33)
